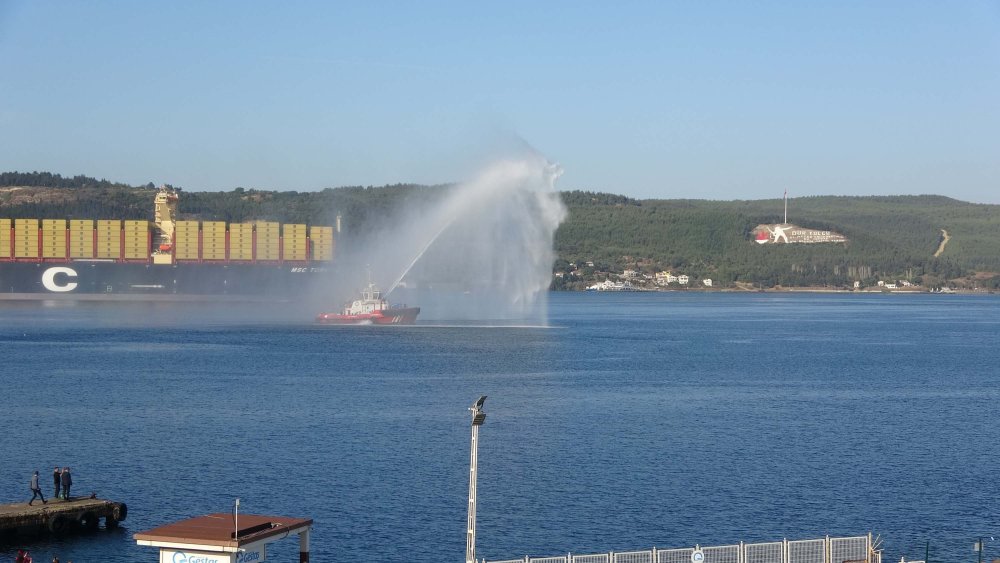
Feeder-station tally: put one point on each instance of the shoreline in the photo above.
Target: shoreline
(797, 290)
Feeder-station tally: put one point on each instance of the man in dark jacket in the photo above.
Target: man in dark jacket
(36, 491)
(67, 482)
(56, 480)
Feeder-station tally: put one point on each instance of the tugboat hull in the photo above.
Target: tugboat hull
(392, 316)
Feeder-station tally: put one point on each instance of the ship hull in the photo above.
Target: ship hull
(111, 280)
(393, 316)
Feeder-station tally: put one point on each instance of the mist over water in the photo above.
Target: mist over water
(480, 251)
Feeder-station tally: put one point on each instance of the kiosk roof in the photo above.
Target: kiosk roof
(217, 529)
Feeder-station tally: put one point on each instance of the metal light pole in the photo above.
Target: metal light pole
(478, 416)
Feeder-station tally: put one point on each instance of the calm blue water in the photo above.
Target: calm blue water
(637, 420)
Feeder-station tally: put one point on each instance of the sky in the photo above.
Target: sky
(704, 100)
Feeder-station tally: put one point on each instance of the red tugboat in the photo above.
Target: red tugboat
(372, 308)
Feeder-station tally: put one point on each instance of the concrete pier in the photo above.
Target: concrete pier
(60, 516)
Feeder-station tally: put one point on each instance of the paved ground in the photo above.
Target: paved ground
(53, 506)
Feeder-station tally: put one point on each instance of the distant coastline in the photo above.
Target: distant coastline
(871, 291)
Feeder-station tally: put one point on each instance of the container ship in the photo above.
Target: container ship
(166, 258)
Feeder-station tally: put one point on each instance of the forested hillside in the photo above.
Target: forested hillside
(889, 237)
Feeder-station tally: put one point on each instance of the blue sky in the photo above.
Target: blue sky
(715, 100)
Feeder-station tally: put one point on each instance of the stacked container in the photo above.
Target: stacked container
(294, 242)
(81, 238)
(109, 238)
(213, 240)
(268, 241)
(5, 226)
(26, 238)
(321, 240)
(186, 240)
(54, 238)
(241, 241)
(137, 240)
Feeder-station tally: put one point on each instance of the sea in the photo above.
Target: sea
(627, 421)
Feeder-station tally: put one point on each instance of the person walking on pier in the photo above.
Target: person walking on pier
(36, 491)
(67, 482)
(56, 480)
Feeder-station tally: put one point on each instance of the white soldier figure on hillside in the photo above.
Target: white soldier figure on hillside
(778, 232)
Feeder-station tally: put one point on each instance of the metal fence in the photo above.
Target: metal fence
(857, 549)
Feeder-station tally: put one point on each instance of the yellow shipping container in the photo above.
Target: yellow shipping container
(54, 237)
(267, 245)
(26, 238)
(323, 254)
(185, 238)
(54, 252)
(25, 224)
(267, 251)
(136, 237)
(82, 252)
(81, 238)
(294, 249)
(324, 234)
(322, 242)
(186, 253)
(26, 251)
(5, 226)
(53, 224)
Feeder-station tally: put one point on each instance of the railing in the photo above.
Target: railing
(857, 549)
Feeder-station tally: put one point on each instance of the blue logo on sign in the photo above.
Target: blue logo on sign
(247, 556)
(181, 557)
